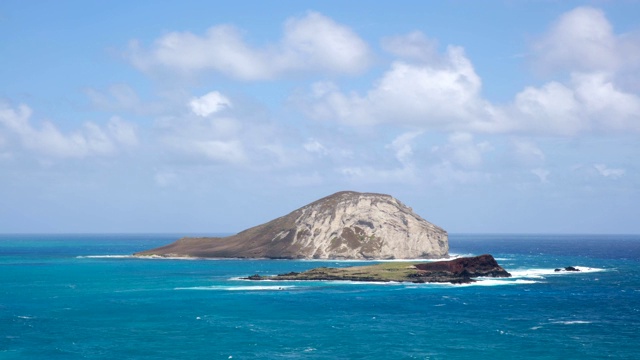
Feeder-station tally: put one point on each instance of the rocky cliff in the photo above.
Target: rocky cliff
(345, 225)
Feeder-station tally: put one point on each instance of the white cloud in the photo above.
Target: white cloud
(310, 43)
(442, 92)
(583, 40)
(609, 172)
(589, 103)
(462, 150)
(317, 42)
(235, 137)
(209, 103)
(607, 107)
(550, 109)
(49, 141)
(444, 95)
(406, 172)
(402, 146)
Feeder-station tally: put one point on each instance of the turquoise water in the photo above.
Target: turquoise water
(82, 297)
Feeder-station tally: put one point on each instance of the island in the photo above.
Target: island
(456, 271)
(345, 225)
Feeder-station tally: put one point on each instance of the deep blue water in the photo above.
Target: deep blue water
(59, 301)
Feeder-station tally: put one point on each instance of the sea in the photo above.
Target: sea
(83, 296)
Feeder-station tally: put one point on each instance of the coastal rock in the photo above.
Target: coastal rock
(478, 266)
(345, 225)
(568, 268)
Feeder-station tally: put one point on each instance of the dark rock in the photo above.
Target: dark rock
(568, 268)
(478, 266)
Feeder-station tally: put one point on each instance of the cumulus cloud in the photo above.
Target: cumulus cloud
(215, 131)
(47, 140)
(442, 95)
(442, 92)
(406, 172)
(583, 40)
(462, 150)
(209, 104)
(310, 43)
(590, 102)
(402, 146)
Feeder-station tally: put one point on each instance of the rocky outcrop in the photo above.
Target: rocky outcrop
(458, 271)
(345, 225)
(469, 267)
(568, 268)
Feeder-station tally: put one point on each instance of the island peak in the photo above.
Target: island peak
(344, 225)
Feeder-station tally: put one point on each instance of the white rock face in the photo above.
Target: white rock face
(364, 226)
(345, 225)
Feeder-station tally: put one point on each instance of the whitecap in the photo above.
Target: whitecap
(542, 273)
(105, 257)
(236, 288)
(499, 282)
(571, 322)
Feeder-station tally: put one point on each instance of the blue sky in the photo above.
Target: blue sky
(200, 116)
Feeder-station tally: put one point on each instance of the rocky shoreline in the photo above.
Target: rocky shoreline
(456, 271)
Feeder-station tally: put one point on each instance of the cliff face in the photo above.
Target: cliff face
(345, 225)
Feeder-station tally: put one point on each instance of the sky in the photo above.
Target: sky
(211, 116)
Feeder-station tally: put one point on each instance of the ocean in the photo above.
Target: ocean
(84, 297)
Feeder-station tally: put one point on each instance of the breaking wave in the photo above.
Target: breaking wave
(543, 273)
(238, 288)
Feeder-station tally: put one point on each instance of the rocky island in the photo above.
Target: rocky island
(345, 225)
(457, 271)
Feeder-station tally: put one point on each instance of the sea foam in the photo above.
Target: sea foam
(237, 288)
(542, 273)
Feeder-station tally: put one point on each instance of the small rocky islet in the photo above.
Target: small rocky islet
(456, 271)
